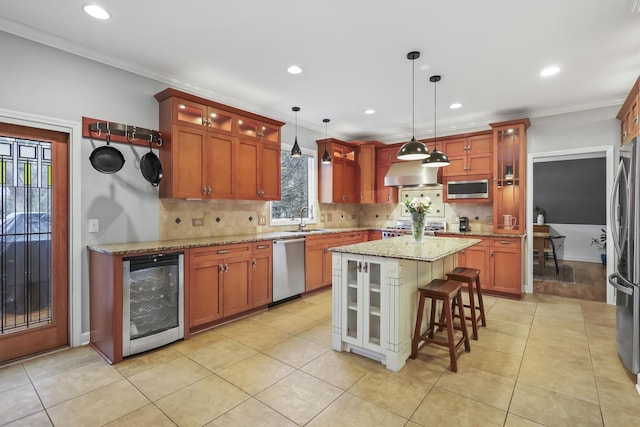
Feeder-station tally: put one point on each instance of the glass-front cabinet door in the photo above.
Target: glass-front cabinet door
(509, 169)
(363, 314)
(372, 303)
(352, 274)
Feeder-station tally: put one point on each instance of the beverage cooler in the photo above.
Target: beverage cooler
(152, 301)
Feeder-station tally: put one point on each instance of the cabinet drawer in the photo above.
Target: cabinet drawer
(484, 241)
(219, 252)
(262, 247)
(353, 237)
(325, 240)
(506, 242)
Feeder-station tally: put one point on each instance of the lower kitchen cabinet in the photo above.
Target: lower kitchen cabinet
(363, 314)
(219, 283)
(261, 267)
(507, 266)
(318, 260)
(499, 260)
(374, 235)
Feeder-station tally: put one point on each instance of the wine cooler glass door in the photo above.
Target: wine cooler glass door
(152, 301)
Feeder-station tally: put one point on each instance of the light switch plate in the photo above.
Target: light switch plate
(262, 220)
(94, 226)
(197, 222)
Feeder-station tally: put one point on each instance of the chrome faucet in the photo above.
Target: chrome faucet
(302, 225)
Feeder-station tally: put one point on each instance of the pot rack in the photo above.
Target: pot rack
(118, 132)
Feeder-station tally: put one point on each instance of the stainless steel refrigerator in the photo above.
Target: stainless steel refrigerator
(625, 223)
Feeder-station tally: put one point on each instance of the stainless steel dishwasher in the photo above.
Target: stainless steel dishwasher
(288, 268)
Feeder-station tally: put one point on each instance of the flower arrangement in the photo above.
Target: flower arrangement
(420, 205)
(418, 208)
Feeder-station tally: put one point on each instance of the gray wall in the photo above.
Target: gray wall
(571, 191)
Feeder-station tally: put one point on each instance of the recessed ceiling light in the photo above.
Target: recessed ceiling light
(550, 71)
(294, 69)
(455, 105)
(370, 111)
(96, 11)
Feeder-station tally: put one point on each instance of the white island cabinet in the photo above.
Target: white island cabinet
(375, 292)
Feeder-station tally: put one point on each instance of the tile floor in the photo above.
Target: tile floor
(545, 360)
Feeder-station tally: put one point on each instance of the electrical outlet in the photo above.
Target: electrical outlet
(353, 216)
(197, 222)
(329, 217)
(321, 217)
(262, 220)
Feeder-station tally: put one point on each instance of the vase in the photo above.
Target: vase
(540, 219)
(417, 225)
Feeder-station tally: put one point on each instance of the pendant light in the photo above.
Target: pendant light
(413, 150)
(438, 158)
(326, 158)
(296, 151)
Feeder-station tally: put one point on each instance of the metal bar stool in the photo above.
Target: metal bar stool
(471, 276)
(447, 291)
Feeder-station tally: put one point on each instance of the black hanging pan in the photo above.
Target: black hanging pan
(107, 159)
(151, 167)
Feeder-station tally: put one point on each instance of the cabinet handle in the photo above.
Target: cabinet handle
(503, 242)
(254, 262)
(344, 197)
(208, 190)
(491, 252)
(366, 267)
(204, 190)
(226, 268)
(359, 267)
(221, 268)
(389, 198)
(635, 119)
(222, 252)
(263, 246)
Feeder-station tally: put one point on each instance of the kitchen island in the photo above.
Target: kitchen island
(375, 292)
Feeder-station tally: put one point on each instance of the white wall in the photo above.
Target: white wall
(592, 131)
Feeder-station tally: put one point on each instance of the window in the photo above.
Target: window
(298, 182)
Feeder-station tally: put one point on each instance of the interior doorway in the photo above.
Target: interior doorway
(606, 152)
(34, 243)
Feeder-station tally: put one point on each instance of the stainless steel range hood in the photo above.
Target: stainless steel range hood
(410, 174)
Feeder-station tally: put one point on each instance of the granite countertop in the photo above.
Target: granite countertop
(405, 247)
(480, 233)
(180, 244)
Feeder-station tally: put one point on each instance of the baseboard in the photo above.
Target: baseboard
(85, 338)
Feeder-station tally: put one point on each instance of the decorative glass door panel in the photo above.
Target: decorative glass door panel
(373, 274)
(25, 233)
(353, 269)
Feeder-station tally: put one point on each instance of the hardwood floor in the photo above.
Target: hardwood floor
(591, 282)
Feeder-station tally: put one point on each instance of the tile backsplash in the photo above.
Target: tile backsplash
(204, 218)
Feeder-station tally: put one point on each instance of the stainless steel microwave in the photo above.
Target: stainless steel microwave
(472, 189)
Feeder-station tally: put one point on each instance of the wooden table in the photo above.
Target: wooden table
(539, 240)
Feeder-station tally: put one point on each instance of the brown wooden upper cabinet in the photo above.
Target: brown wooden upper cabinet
(509, 189)
(628, 115)
(384, 157)
(214, 151)
(338, 180)
(469, 155)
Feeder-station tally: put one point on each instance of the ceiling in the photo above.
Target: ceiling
(354, 56)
